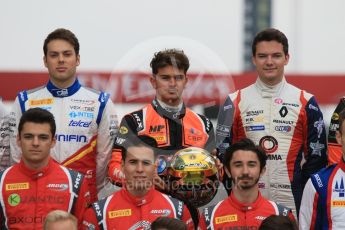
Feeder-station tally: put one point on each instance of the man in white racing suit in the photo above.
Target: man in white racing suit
(323, 198)
(85, 118)
(286, 121)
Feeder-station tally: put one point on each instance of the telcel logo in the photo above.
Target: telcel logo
(79, 123)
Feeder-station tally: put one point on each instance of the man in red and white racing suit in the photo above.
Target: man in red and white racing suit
(29, 195)
(137, 204)
(245, 208)
(125, 211)
(323, 202)
(286, 121)
(38, 184)
(85, 118)
(233, 213)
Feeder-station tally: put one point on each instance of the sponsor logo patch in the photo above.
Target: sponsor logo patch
(269, 144)
(17, 186)
(79, 123)
(333, 127)
(83, 102)
(278, 101)
(283, 111)
(283, 128)
(291, 104)
(57, 187)
(161, 212)
(123, 130)
(313, 107)
(227, 107)
(120, 213)
(159, 138)
(255, 128)
(318, 180)
(260, 217)
(338, 203)
(75, 114)
(227, 218)
(156, 128)
(13, 200)
(254, 113)
(71, 138)
(339, 188)
(47, 101)
(335, 116)
(317, 147)
(282, 122)
(319, 126)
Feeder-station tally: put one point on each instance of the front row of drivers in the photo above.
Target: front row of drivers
(38, 185)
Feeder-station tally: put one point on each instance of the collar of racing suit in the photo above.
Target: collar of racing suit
(57, 92)
(269, 91)
(164, 113)
(36, 173)
(245, 206)
(169, 108)
(138, 201)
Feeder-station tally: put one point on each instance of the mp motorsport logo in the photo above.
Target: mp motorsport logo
(14, 199)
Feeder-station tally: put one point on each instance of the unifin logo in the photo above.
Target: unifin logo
(71, 138)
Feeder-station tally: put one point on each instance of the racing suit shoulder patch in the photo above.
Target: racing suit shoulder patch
(208, 214)
(76, 178)
(22, 98)
(103, 99)
(320, 179)
(98, 207)
(138, 118)
(282, 210)
(207, 123)
(177, 205)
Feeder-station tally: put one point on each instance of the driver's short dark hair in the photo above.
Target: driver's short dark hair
(247, 145)
(39, 116)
